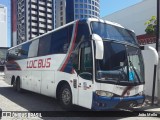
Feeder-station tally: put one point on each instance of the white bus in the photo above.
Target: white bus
(92, 63)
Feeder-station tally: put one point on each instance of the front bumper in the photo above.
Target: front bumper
(105, 103)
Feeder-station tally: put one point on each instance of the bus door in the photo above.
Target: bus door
(85, 75)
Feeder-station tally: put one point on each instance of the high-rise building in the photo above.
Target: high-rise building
(70, 10)
(3, 26)
(30, 18)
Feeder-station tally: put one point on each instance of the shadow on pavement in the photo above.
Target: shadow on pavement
(33, 101)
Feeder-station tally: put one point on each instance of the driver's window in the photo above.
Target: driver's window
(86, 61)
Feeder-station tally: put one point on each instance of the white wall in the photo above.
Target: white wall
(3, 26)
(149, 70)
(135, 16)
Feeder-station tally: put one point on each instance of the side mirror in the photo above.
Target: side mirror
(99, 46)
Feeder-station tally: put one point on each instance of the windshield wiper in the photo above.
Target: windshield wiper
(131, 64)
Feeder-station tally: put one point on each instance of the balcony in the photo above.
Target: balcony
(49, 16)
(33, 24)
(42, 31)
(42, 8)
(42, 25)
(49, 10)
(49, 27)
(34, 30)
(49, 21)
(42, 20)
(34, 6)
(42, 14)
(41, 3)
(49, 5)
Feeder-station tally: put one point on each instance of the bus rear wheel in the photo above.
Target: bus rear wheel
(65, 97)
(18, 87)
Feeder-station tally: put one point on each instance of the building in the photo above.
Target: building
(30, 18)
(3, 26)
(70, 10)
(135, 16)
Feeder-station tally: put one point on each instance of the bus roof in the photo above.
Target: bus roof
(87, 20)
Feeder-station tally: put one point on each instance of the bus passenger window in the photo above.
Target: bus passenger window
(44, 45)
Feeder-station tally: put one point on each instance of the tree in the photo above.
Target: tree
(151, 26)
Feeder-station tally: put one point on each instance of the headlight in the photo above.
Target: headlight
(104, 93)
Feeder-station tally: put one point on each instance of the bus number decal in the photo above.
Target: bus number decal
(41, 63)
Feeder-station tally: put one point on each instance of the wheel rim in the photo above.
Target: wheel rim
(66, 96)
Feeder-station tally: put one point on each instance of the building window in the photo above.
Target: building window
(76, 5)
(85, 5)
(61, 13)
(81, 11)
(81, 5)
(76, 17)
(61, 3)
(89, 6)
(77, 11)
(85, 12)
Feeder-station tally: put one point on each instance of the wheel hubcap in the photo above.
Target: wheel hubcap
(66, 96)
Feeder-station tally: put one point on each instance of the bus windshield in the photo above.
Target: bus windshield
(121, 63)
(110, 32)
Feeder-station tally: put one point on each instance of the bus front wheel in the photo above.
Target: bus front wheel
(65, 97)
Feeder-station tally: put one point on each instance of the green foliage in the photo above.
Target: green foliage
(151, 25)
(1, 55)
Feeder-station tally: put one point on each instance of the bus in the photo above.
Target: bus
(89, 62)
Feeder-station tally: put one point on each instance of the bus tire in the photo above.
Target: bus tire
(65, 97)
(18, 85)
(14, 84)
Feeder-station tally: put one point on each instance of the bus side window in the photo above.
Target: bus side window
(75, 59)
(82, 33)
(44, 45)
(33, 48)
(59, 40)
(86, 61)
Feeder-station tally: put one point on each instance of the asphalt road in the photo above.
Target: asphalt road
(10, 100)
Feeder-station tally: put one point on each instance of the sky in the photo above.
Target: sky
(7, 4)
(106, 7)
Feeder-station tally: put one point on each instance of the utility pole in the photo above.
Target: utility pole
(158, 47)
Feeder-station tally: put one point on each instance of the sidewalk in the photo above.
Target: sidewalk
(147, 106)
(1, 76)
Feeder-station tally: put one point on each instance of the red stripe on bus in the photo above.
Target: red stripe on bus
(72, 47)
